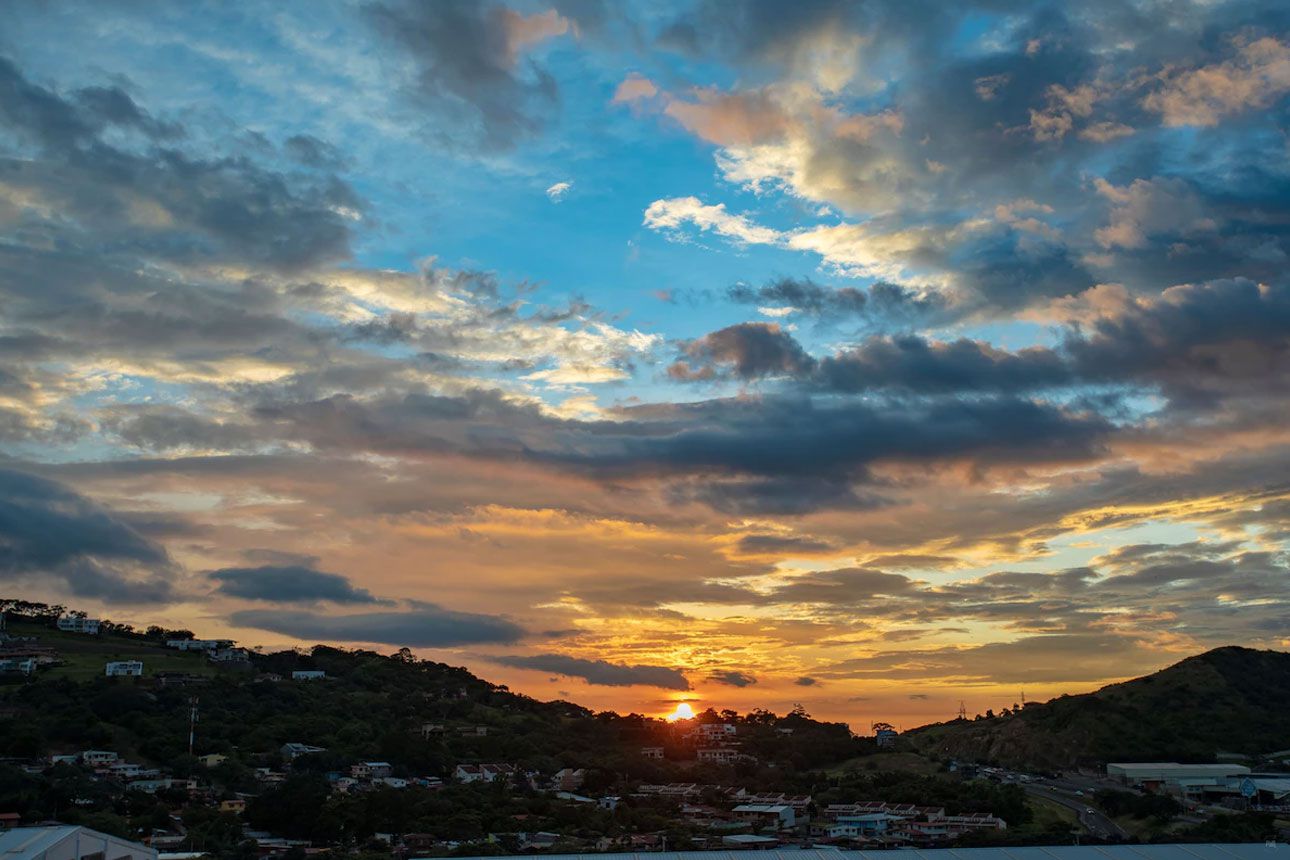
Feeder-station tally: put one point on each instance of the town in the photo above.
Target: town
(197, 746)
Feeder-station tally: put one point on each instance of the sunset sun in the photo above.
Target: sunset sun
(683, 712)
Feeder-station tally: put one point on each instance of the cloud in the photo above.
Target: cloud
(424, 626)
(732, 678)
(673, 214)
(752, 350)
(557, 192)
(599, 672)
(1258, 74)
(468, 72)
(634, 88)
(286, 583)
(53, 537)
(807, 681)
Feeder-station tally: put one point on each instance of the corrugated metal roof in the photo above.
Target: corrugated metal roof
(1251, 851)
(23, 843)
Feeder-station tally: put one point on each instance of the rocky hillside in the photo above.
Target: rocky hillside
(1229, 699)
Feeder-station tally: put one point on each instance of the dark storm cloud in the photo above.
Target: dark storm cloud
(51, 535)
(732, 678)
(288, 584)
(780, 544)
(786, 496)
(470, 74)
(803, 294)
(599, 672)
(807, 681)
(751, 350)
(203, 208)
(424, 626)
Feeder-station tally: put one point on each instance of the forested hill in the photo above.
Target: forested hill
(370, 706)
(1226, 700)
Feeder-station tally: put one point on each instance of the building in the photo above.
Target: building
(749, 842)
(886, 737)
(652, 752)
(308, 675)
(292, 751)
(98, 758)
(230, 655)
(69, 842)
(864, 825)
(720, 755)
(199, 644)
(370, 770)
(235, 805)
(775, 817)
(569, 779)
(483, 772)
(1175, 778)
(76, 624)
(432, 730)
(717, 731)
(1270, 792)
(117, 668)
(15, 666)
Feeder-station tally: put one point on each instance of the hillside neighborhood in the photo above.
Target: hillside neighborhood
(172, 752)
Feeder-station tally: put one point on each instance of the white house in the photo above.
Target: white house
(392, 781)
(717, 731)
(483, 772)
(199, 644)
(18, 667)
(124, 667)
(98, 758)
(308, 675)
(776, 817)
(76, 624)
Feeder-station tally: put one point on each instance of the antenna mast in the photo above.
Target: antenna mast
(192, 723)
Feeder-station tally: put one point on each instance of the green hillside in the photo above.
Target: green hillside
(1226, 700)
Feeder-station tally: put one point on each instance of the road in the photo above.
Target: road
(1095, 822)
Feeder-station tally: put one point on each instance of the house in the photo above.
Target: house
(431, 730)
(308, 675)
(860, 826)
(473, 731)
(9, 820)
(392, 781)
(15, 666)
(717, 731)
(749, 842)
(98, 758)
(64, 759)
(77, 624)
(199, 644)
(469, 773)
(886, 737)
(69, 842)
(125, 770)
(119, 668)
(568, 779)
(720, 755)
(370, 770)
(652, 752)
(609, 802)
(777, 817)
(235, 805)
(212, 759)
(292, 751)
(230, 655)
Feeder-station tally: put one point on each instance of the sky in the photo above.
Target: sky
(868, 356)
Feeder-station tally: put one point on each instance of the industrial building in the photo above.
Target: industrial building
(69, 842)
(1186, 780)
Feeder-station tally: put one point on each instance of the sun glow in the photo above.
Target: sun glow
(683, 712)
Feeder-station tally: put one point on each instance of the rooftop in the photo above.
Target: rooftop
(1208, 851)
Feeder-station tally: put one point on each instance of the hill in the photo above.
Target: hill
(1227, 700)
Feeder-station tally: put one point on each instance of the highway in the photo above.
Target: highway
(1095, 822)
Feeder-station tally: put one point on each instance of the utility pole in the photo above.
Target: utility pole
(963, 710)
(192, 723)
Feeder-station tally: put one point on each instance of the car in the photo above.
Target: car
(1090, 810)
(1079, 793)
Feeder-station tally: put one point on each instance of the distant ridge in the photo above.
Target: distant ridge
(1230, 699)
